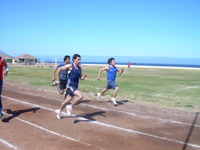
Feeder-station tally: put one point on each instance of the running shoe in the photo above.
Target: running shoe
(114, 101)
(2, 117)
(69, 110)
(54, 84)
(58, 113)
(98, 96)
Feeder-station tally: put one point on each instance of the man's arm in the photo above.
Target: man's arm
(104, 69)
(83, 77)
(6, 67)
(120, 71)
(66, 67)
(54, 71)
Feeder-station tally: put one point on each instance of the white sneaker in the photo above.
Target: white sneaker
(66, 108)
(114, 101)
(54, 84)
(98, 96)
(69, 110)
(2, 117)
(58, 113)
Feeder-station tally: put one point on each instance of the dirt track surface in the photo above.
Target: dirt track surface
(32, 124)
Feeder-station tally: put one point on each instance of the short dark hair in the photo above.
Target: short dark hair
(66, 56)
(75, 56)
(110, 60)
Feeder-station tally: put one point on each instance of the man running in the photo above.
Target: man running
(111, 75)
(63, 75)
(72, 85)
(2, 64)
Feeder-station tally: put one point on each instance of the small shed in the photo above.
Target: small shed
(25, 59)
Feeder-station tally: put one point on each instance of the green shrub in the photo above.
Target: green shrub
(9, 60)
(30, 60)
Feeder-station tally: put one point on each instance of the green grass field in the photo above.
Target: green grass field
(172, 88)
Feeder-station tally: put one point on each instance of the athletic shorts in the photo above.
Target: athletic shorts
(71, 90)
(63, 84)
(111, 84)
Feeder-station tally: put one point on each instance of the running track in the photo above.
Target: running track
(32, 124)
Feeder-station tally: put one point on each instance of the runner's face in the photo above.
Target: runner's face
(113, 62)
(77, 60)
(67, 60)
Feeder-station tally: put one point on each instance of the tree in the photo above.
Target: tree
(30, 60)
(9, 60)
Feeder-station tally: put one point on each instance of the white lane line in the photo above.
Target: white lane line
(33, 94)
(112, 126)
(129, 113)
(48, 130)
(8, 144)
(190, 87)
(142, 116)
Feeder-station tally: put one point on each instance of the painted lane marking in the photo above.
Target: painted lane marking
(55, 133)
(129, 113)
(8, 144)
(142, 116)
(190, 87)
(112, 126)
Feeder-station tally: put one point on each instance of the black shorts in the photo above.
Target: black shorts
(71, 90)
(63, 84)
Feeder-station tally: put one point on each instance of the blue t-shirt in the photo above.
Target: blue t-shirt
(111, 73)
(74, 77)
(63, 73)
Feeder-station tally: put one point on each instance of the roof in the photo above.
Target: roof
(5, 56)
(25, 56)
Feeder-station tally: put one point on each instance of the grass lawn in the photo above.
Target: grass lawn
(172, 88)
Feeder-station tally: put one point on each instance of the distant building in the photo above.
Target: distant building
(25, 59)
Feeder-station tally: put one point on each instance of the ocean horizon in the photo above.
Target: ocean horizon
(134, 60)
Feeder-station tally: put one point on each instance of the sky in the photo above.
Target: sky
(157, 28)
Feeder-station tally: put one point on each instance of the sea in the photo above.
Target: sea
(148, 64)
(137, 61)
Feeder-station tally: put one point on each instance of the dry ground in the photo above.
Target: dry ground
(32, 124)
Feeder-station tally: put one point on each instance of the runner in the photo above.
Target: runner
(111, 75)
(72, 85)
(63, 75)
(2, 63)
(129, 65)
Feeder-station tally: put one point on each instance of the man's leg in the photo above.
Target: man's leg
(116, 90)
(66, 101)
(62, 86)
(1, 86)
(1, 106)
(115, 93)
(103, 91)
(79, 97)
(61, 91)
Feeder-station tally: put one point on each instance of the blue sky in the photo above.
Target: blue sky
(164, 28)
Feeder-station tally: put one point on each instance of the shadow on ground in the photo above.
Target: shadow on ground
(89, 116)
(16, 113)
(122, 102)
(83, 101)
